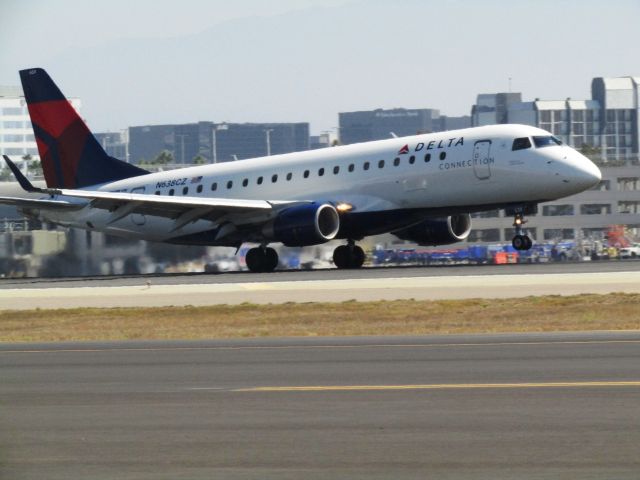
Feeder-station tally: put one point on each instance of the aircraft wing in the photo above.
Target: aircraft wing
(182, 209)
(39, 203)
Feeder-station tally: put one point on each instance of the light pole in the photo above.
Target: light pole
(267, 132)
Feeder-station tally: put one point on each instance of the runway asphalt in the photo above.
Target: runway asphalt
(531, 406)
(324, 286)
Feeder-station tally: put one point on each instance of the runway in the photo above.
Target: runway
(427, 283)
(464, 407)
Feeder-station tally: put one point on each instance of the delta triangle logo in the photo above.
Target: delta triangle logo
(404, 150)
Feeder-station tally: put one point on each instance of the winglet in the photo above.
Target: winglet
(22, 180)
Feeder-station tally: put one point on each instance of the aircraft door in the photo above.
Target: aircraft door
(138, 218)
(482, 159)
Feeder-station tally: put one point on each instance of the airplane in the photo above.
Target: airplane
(420, 188)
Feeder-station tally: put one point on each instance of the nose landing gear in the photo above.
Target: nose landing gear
(261, 259)
(348, 256)
(520, 241)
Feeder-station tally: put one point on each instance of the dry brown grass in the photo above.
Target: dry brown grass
(532, 314)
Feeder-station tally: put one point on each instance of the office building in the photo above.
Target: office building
(492, 108)
(381, 124)
(208, 142)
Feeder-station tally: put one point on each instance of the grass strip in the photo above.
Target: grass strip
(531, 314)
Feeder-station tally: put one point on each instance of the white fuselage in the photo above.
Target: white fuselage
(470, 168)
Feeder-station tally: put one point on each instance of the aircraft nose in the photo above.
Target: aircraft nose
(591, 174)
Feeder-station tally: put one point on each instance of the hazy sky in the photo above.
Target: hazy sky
(136, 62)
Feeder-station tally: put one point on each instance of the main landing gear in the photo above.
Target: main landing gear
(261, 259)
(520, 240)
(348, 256)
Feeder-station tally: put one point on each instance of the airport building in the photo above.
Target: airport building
(380, 124)
(607, 124)
(210, 142)
(585, 216)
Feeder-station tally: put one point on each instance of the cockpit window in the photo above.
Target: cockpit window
(521, 143)
(546, 141)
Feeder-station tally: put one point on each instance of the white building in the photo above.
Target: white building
(16, 133)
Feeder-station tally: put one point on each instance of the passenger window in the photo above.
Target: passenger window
(229, 184)
(245, 182)
(381, 164)
(521, 143)
(214, 187)
(443, 155)
(306, 174)
(274, 178)
(259, 181)
(352, 167)
(289, 176)
(427, 157)
(157, 192)
(396, 161)
(336, 170)
(199, 189)
(321, 172)
(365, 166)
(171, 192)
(185, 190)
(412, 159)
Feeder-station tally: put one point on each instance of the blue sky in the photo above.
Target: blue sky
(144, 62)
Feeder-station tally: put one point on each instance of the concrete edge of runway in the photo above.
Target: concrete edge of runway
(366, 341)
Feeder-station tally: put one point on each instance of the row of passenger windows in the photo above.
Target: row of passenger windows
(307, 174)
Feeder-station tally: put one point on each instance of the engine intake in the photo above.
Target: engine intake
(437, 231)
(304, 225)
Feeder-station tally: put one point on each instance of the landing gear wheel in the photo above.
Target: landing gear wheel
(261, 259)
(520, 240)
(348, 256)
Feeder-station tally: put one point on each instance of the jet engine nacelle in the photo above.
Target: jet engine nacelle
(437, 231)
(304, 225)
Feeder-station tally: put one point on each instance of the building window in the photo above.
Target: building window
(321, 172)
(427, 157)
(629, 207)
(396, 161)
(443, 155)
(412, 159)
(289, 176)
(245, 182)
(274, 178)
(557, 210)
(487, 214)
(603, 186)
(381, 164)
(595, 209)
(214, 187)
(185, 190)
(306, 174)
(336, 170)
(229, 184)
(484, 235)
(259, 180)
(627, 184)
(558, 234)
(365, 166)
(351, 167)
